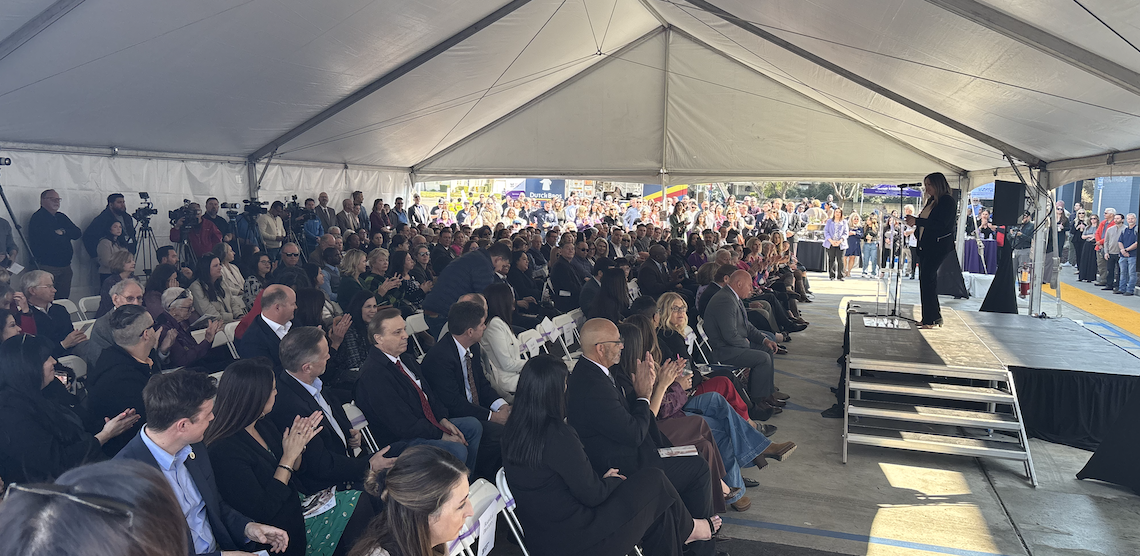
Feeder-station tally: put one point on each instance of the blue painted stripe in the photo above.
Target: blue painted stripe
(858, 538)
(1114, 332)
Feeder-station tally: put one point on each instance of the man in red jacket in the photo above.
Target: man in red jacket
(202, 237)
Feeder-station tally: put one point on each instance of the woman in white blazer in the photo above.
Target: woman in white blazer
(502, 359)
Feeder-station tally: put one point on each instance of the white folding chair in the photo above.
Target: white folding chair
(578, 316)
(702, 342)
(567, 335)
(415, 324)
(549, 332)
(483, 496)
(357, 421)
(547, 291)
(89, 305)
(75, 363)
(509, 506)
(530, 341)
(634, 290)
(226, 336)
(83, 326)
(76, 314)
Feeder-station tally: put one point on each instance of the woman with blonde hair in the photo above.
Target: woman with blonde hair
(352, 267)
(854, 239)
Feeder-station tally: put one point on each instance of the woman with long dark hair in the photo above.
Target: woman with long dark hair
(254, 463)
(210, 297)
(42, 439)
(563, 505)
(1087, 272)
(354, 347)
(500, 346)
(163, 277)
(935, 230)
(425, 505)
(9, 326)
(612, 300)
(111, 508)
(122, 266)
(257, 270)
(113, 241)
(411, 292)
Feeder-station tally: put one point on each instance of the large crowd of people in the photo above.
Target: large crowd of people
(321, 299)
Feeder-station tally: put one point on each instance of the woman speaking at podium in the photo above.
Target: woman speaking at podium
(935, 241)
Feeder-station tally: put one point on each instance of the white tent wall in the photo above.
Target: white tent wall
(85, 180)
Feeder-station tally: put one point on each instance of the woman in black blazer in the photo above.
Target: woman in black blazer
(936, 240)
(254, 463)
(564, 507)
(41, 438)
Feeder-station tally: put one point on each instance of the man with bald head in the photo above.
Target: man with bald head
(735, 341)
(610, 411)
(263, 338)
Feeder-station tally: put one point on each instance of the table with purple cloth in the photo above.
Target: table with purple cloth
(973, 262)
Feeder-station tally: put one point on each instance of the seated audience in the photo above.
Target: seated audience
(125, 292)
(735, 341)
(122, 265)
(42, 438)
(352, 268)
(116, 382)
(232, 280)
(565, 280)
(330, 266)
(410, 293)
(210, 298)
(501, 348)
(8, 325)
(454, 369)
(426, 506)
(51, 322)
(612, 300)
(377, 280)
(618, 429)
(593, 286)
(34, 518)
(254, 463)
(310, 307)
(354, 346)
(263, 337)
(519, 277)
(185, 351)
(180, 407)
(162, 277)
(399, 404)
(564, 506)
(422, 272)
(329, 459)
(257, 272)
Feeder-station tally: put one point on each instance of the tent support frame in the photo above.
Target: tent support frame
(978, 135)
(34, 26)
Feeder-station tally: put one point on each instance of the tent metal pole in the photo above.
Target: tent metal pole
(1033, 37)
(978, 135)
(960, 233)
(37, 24)
(389, 77)
(665, 113)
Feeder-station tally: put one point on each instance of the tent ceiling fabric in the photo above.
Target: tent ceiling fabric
(226, 77)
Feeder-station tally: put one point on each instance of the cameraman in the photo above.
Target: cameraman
(272, 229)
(201, 233)
(116, 211)
(212, 215)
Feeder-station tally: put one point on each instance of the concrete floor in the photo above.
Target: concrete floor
(891, 502)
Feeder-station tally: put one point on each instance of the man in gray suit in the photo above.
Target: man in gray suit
(735, 341)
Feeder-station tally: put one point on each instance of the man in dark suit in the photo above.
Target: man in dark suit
(735, 341)
(329, 459)
(593, 286)
(263, 337)
(399, 404)
(179, 406)
(654, 278)
(442, 254)
(610, 412)
(325, 213)
(565, 280)
(454, 370)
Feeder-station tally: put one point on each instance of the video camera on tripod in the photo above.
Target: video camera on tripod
(185, 217)
(142, 214)
(298, 215)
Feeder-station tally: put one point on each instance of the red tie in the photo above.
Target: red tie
(423, 399)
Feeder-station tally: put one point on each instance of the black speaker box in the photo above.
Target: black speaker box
(1009, 203)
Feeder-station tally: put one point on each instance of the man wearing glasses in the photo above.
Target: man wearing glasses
(609, 409)
(124, 292)
(52, 321)
(50, 234)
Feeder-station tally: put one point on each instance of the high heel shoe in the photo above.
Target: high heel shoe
(935, 324)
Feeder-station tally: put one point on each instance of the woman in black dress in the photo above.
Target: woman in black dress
(1088, 251)
(564, 507)
(935, 240)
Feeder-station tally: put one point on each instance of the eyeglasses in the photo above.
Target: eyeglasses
(104, 504)
(618, 342)
(678, 309)
(290, 254)
(132, 298)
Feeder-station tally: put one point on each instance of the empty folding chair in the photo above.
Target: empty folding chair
(530, 341)
(484, 498)
(76, 314)
(88, 306)
(414, 325)
(357, 421)
(567, 335)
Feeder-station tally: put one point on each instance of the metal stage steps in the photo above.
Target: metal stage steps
(939, 390)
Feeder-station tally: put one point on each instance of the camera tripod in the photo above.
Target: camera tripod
(19, 232)
(146, 246)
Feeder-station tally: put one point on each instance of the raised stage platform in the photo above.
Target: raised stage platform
(947, 383)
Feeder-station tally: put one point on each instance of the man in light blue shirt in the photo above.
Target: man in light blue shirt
(180, 406)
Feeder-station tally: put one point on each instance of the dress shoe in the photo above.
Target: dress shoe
(780, 395)
(732, 492)
(761, 412)
(1107, 288)
(833, 412)
(781, 350)
(772, 401)
(779, 452)
(762, 428)
(796, 327)
(750, 483)
(742, 505)
(1117, 292)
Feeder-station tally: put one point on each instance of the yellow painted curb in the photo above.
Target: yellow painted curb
(1112, 313)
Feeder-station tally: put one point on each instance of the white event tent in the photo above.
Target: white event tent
(192, 99)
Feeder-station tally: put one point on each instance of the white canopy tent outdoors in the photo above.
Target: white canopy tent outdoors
(188, 100)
